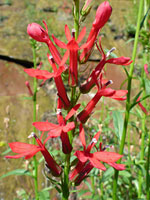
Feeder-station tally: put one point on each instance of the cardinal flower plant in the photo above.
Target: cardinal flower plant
(77, 164)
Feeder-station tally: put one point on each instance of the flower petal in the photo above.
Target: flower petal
(45, 126)
(64, 59)
(58, 42)
(82, 137)
(107, 156)
(117, 166)
(81, 35)
(72, 111)
(67, 33)
(97, 164)
(120, 61)
(69, 127)
(119, 95)
(23, 150)
(39, 74)
(81, 156)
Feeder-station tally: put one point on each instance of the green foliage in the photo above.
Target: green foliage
(118, 123)
(19, 172)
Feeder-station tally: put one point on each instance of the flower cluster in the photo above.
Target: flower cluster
(69, 126)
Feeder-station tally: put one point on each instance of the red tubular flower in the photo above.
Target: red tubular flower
(102, 15)
(29, 150)
(59, 130)
(36, 31)
(59, 83)
(119, 95)
(90, 82)
(85, 114)
(72, 52)
(39, 34)
(89, 160)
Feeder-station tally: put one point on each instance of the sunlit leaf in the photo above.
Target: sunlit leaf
(118, 123)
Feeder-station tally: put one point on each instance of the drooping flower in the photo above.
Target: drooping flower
(87, 160)
(44, 75)
(90, 82)
(61, 129)
(39, 34)
(59, 83)
(102, 15)
(119, 95)
(29, 150)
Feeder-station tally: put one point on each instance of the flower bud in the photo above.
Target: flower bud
(36, 31)
(102, 15)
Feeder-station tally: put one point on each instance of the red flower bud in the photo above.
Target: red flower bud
(36, 31)
(102, 15)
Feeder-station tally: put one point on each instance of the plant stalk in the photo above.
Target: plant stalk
(34, 120)
(76, 18)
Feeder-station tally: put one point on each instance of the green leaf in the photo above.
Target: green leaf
(81, 192)
(118, 123)
(44, 195)
(142, 22)
(6, 152)
(19, 172)
(126, 71)
(134, 103)
(108, 174)
(125, 173)
(122, 84)
(130, 40)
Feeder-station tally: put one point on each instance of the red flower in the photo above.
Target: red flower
(102, 91)
(61, 129)
(102, 15)
(72, 52)
(43, 74)
(39, 34)
(29, 150)
(59, 83)
(90, 82)
(89, 160)
(146, 68)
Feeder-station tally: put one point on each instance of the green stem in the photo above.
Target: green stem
(65, 184)
(65, 180)
(34, 119)
(76, 18)
(127, 113)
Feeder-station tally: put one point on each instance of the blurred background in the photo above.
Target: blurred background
(16, 54)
